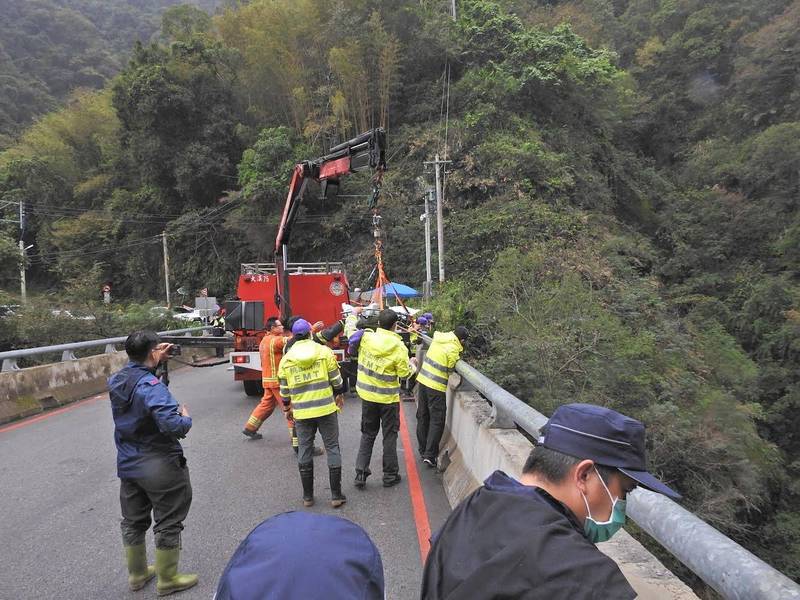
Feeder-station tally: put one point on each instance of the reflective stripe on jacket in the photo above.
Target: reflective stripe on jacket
(308, 375)
(382, 362)
(440, 359)
(271, 351)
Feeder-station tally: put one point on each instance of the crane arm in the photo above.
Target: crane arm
(362, 153)
(365, 152)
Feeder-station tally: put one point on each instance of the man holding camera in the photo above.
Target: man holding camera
(153, 474)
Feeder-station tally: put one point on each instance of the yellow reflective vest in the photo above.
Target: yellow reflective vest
(307, 374)
(382, 362)
(440, 359)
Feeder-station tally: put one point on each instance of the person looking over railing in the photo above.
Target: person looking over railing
(440, 360)
(535, 538)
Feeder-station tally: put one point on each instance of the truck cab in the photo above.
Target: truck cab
(317, 291)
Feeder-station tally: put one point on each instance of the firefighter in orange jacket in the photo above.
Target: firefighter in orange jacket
(271, 350)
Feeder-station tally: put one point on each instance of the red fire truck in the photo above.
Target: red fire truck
(314, 291)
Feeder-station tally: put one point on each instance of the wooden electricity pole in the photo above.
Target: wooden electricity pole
(166, 266)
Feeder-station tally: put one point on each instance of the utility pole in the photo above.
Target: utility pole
(439, 212)
(454, 9)
(166, 266)
(22, 287)
(439, 219)
(426, 294)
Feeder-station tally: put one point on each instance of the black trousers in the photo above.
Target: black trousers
(431, 415)
(328, 427)
(374, 417)
(167, 493)
(409, 384)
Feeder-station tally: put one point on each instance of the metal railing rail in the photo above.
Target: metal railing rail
(292, 268)
(9, 358)
(720, 562)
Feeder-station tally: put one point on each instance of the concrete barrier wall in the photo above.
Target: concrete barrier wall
(30, 391)
(471, 451)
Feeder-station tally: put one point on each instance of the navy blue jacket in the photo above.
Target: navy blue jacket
(509, 540)
(147, 424)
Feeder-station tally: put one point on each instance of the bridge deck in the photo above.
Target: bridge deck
(60, 511)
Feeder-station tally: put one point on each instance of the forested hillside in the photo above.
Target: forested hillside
(49, 48)
(622, 219)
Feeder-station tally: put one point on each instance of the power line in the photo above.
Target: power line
(45, 257)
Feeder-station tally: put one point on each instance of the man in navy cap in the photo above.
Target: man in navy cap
(535, 538)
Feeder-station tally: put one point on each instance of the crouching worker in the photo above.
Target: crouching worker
(153, 474)
(312, 388)
(535, 538)
(304, 556)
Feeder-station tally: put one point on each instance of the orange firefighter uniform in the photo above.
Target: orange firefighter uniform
(271, 350)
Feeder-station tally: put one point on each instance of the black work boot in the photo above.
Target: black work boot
(361, 478)
(253, 435)
(337, 497)
(391, 479)
(307, 477)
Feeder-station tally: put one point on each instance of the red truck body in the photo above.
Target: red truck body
(317, 290)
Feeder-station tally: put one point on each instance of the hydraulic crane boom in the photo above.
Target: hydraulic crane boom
(362, 153)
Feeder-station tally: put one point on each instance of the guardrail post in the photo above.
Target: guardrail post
(68, 355)
(110, 349)
(9, 364)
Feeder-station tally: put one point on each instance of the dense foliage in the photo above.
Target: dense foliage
(622, 223)
(49, 48)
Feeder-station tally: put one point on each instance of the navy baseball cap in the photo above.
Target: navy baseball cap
(605, 436)
(302, 555)
(301, 326)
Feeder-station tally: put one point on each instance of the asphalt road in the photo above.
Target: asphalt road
(59, 529)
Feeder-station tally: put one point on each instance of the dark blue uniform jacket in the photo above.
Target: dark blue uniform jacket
(147, 424)
(509, 540)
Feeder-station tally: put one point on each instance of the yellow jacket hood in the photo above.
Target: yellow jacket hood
(303, 353)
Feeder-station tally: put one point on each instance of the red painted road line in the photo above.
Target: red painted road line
(415, 489)
(51, 413)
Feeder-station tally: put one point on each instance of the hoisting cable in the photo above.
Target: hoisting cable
(196, 366)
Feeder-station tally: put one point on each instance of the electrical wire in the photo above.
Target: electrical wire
(47, 257)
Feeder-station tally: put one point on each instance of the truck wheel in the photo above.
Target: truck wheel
(253, 387)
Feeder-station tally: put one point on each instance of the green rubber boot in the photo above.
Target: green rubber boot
(169, 580)
(138, 571)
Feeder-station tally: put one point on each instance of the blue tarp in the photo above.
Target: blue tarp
(392, 289)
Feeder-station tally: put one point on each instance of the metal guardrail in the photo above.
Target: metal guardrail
(9, 358)
(734, 572)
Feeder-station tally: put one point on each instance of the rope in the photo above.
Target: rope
(188, 364)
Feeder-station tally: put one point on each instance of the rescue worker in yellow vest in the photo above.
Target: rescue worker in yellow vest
(382, 362)
(351, 315)
(311, 386)
(440, 359)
